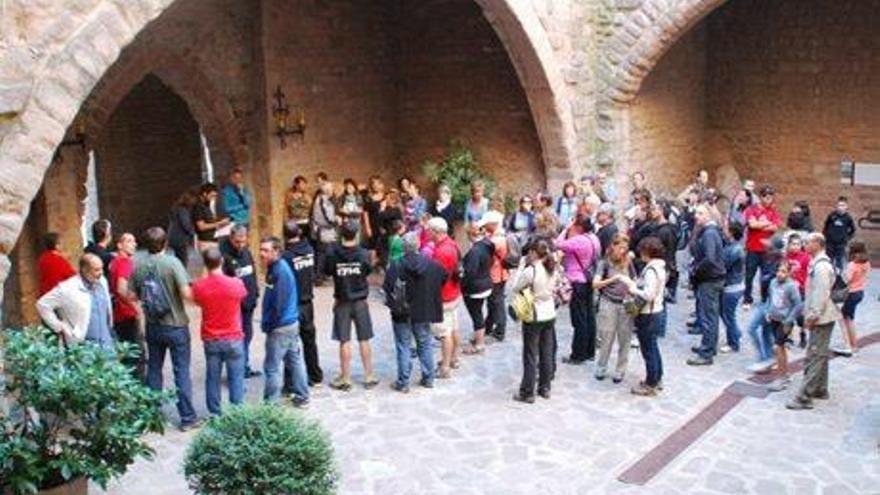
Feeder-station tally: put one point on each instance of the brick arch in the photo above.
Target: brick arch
(642, 39)
(61, 80)
(208, 107)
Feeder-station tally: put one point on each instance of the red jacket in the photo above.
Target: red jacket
(800, 265)
(447, 254)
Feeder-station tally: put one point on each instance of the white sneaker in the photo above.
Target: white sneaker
(634, 343)
(843, 351)
(725, 349)
(761, 366)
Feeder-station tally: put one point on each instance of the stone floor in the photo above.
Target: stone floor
(467, 436)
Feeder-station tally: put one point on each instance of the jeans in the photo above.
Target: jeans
(583, 319)
(403, 334)
(729, 304)
(762, 339)
(161, 338)
(646, 332)
(662, 318)
(537, 356)
(283, 343)
(838, 257)
(754, 261)
(127, 331)
(218, 352)
(496, 322)
(708, 309)
(247, 325)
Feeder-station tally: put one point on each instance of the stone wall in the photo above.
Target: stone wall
(147, 155)
(455, 80)
(667, 117)
(793, 90)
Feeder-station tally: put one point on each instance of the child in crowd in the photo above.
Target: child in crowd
(395, 241)
(799, 261)
(857, 271)
(781, 308)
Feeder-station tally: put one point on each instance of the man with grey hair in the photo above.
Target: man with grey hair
(412, 293)
(447, 254)
(607, 229)
(819, 314)
(83, 303)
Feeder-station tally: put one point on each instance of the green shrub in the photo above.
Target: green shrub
(70, 412)
(458, 170)
(261, 449)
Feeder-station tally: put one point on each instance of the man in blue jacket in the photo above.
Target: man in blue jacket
(708, 275)
(281, 325)
(236, 199)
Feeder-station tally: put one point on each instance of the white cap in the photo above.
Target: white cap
(491, 216)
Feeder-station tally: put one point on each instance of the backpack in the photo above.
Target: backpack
(154, 297)
(514, 252)
(398, 299)
(839, 289)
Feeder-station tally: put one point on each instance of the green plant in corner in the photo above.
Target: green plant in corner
(261, 449)
(70, 412)
(458, 169)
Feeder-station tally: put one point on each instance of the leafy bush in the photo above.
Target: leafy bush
(71, 412)
(261, 449)
(458, 170)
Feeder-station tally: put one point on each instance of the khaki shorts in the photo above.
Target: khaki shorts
(450, 320)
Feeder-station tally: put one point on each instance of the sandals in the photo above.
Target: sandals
(454, 364)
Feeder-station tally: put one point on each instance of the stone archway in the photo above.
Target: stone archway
(60, 58)
(648, 30)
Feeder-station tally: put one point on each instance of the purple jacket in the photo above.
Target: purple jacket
(581, 253)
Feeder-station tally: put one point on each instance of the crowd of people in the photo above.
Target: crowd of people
(616, 273)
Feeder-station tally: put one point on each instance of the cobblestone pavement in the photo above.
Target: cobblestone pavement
(467, 436)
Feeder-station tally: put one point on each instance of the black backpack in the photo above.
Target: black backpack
(398, 299)
(154, 297)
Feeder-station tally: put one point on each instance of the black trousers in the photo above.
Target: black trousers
(310, 348)
(583, 319)
(496, 321)
(539, 341)
(127, 331)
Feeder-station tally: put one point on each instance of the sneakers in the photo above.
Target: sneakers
(617, 379)
(522, 398)
(599, 376)
(426, 383)
(699, 361)
(299, 402)
(404, 389)
(761, 366)
(779, 385)
(573, 362)
(634, 343)
(191, 425)
(726, 349)
(249, 373)
(746, 306)
(843, 351)
(370, 382)
(798, 404)
(341, 384)
(545, 393)
(644, 390)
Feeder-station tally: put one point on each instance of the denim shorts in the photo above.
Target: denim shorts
(850, 303)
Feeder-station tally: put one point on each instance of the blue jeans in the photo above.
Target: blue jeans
(283, 343)
(762, 339)
(403, 334)
(247, 325)
(218, 352)
(708, 314)
(729, 304)
(646, 331)
(161, 338)
(661, 320)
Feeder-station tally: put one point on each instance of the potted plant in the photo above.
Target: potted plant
(261, 449)
(458, 169)
(69, 414)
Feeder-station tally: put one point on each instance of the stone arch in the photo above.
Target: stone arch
(72, 59)
(645, 35)
(213, 113)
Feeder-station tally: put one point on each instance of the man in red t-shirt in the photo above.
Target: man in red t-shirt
(51, 265)
(125, 302)
(220, 298)
(446, 253)
(762, 221)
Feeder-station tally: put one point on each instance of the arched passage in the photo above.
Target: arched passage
(70, 69)
(779, 92)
